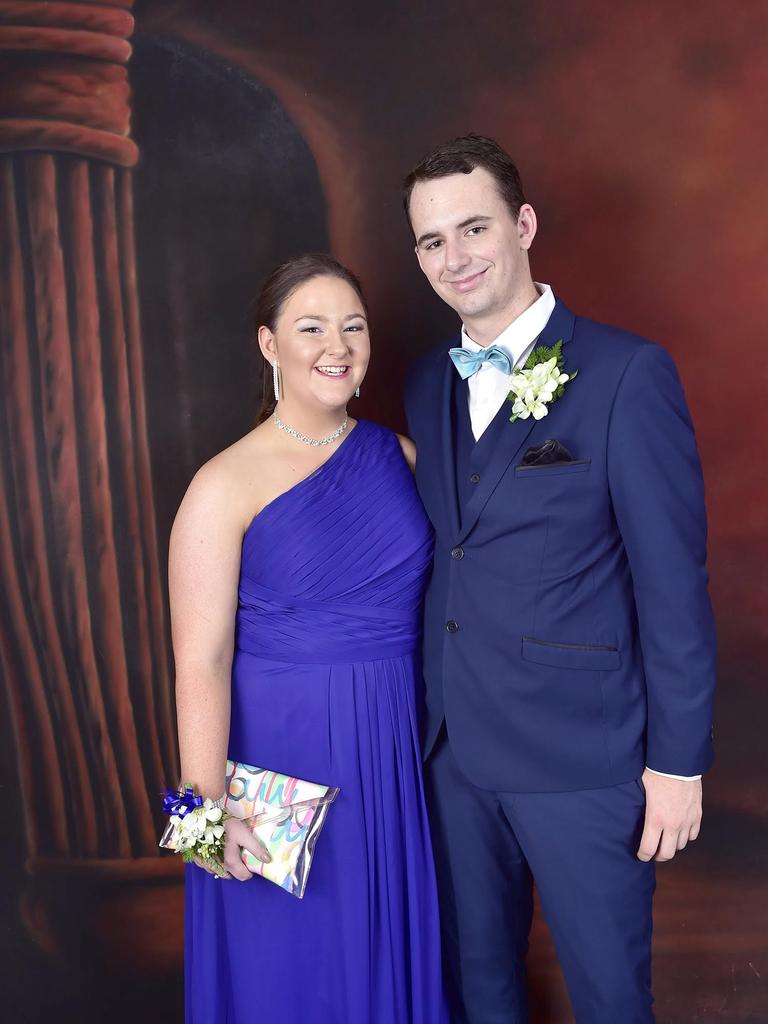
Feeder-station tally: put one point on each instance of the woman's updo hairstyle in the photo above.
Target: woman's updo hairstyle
(278, 288)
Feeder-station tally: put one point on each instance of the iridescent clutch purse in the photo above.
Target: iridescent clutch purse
(287, 814)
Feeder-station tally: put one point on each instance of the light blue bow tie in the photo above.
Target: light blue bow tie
(467, 362)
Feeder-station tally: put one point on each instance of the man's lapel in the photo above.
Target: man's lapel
(507, 438)
(442, 467)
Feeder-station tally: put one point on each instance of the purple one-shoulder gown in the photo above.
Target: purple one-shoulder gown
(324, 687)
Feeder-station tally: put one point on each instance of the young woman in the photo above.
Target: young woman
(297, 565)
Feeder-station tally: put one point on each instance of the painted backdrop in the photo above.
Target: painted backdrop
(156, 159)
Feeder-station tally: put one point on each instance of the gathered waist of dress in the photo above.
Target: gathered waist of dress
(282, 627)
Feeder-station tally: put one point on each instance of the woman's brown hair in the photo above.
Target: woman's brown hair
(278, 288)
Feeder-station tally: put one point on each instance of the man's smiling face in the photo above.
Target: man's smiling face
(469, 245)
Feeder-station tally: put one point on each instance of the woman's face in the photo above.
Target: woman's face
(321, 343)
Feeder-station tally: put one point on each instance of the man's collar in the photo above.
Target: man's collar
(516, 338)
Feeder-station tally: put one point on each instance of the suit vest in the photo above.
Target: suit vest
(471, 456)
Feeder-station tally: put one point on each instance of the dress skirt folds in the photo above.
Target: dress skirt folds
(324, 687)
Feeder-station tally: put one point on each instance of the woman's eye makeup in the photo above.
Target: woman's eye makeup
(316, 329)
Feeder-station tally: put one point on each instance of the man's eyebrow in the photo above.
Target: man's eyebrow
(474, 220)
(429, 235)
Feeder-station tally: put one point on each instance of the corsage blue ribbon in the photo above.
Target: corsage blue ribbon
(180, 801)
(468, 363)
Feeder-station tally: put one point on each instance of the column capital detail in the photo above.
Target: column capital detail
(63, 81)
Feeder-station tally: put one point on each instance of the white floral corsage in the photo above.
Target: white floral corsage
(539, 383)
(195, 827)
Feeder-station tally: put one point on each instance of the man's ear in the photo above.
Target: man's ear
(526, 226)
(267, 344)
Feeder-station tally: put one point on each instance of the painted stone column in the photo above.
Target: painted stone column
(83, 647)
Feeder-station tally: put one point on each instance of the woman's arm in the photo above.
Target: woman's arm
(203, 572)
(204, 564)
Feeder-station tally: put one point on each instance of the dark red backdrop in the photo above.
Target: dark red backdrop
(263, 131)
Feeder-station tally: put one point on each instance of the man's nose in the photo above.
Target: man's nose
(456, 256)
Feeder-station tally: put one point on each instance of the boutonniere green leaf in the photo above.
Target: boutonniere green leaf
(539, 383)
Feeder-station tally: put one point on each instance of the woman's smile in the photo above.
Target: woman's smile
(333, 371)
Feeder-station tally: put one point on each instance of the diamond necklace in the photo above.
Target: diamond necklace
(312, 441)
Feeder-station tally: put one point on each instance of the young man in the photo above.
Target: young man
(569, 645)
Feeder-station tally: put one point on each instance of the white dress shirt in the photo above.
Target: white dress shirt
(489, 387)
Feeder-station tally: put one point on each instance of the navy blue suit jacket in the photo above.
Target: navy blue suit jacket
(568, 636)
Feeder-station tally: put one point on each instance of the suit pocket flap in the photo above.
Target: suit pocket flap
(561, 655)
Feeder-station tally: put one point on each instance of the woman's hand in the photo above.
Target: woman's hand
(207, 867)
(236, 837)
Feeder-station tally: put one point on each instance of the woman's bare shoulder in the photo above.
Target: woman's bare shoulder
(224, 484)
(409, 450)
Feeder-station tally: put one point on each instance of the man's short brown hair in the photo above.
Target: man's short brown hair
(462, 156)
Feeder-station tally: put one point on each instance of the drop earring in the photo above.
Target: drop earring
(357, 391)
(276, 379)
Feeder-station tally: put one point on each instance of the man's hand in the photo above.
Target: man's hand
(672, 816)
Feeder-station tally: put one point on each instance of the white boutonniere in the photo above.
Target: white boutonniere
(539, 383)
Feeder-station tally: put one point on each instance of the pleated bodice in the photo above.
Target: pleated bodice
(333, 570)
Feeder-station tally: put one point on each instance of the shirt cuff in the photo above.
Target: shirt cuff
(666, 775)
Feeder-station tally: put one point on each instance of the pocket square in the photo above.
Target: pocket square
(550, 451)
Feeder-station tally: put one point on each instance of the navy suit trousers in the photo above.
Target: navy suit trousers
(580, 849)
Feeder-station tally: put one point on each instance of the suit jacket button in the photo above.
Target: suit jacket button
(475, 478)
(451, 626)
(457, 553)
